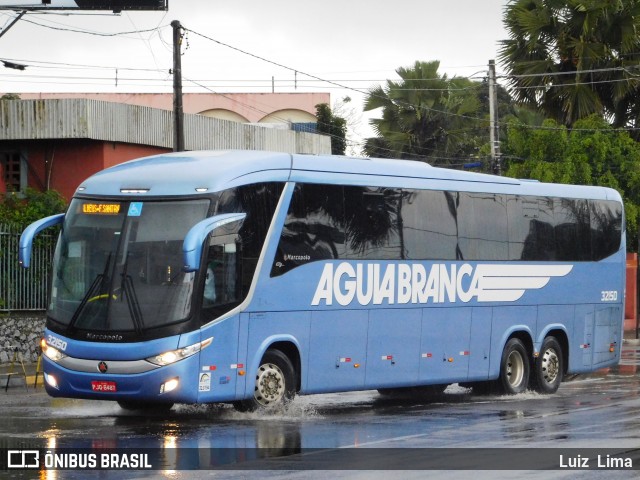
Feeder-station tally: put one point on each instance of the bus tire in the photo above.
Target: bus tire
(548, 368)
(274, 383)
(514, 368)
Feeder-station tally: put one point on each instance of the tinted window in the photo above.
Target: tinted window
(313, 229)
(606, 228)
(531, 228)
(482, 226)
(429, 225)
(259, 202)
(331, 222)
(373, 223)
(573, 236)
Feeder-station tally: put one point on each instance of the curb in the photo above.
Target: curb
(21, 381)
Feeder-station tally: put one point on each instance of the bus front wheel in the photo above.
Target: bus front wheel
(548, 368)
(514, 368)
(274, 383)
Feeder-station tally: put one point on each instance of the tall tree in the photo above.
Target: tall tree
(332, 125)
(592, 153)
(426, 116)
(574, 58)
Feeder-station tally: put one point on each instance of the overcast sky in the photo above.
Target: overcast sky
(353, 43)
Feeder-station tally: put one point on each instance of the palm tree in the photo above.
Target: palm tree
(426, 116)
(574, 58)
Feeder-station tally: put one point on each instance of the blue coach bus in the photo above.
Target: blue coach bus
(250, 277)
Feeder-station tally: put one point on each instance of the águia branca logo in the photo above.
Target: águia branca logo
(404, 283)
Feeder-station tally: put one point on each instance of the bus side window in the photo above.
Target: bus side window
(313, 228)
(373, 223)
(210, 296)
(606, 228)
(223, 275)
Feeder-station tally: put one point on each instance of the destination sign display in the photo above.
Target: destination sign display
(101, 208)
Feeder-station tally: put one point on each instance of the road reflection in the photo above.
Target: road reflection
(200, 436)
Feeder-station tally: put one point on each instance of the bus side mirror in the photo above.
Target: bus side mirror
(29, 233)
(193, 241)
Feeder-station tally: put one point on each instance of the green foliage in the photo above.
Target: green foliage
(429, 117)
(332, 125)
(592, 153)
(574, 58)
(22, 209)
(16, 212)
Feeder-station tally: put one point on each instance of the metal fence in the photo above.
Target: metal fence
(24, 288)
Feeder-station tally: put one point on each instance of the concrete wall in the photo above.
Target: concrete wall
(253, 107)
(23, 331)
(114, 122)
(67, 140)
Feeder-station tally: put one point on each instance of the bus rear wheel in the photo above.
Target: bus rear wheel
(274, 383)
(548, 369)
(514, 368)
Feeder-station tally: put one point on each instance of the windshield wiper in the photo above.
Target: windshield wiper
(95, 286)
(128, 290)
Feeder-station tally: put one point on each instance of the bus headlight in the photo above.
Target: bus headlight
(51, 353)
(172, 356)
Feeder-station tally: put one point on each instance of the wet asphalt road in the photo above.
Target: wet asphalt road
(597, 412)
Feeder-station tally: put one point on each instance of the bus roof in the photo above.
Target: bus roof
(188, 173)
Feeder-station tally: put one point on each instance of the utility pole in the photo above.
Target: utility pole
(15, 20)
(494, 137)
(178, 113)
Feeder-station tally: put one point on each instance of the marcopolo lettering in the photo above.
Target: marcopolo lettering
(404, 283)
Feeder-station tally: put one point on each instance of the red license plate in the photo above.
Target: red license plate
(103, 386)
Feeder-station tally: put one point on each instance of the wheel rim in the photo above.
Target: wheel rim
(270, 384)
(515, 369)
(550, 366)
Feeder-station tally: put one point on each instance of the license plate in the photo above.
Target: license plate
(103, 386)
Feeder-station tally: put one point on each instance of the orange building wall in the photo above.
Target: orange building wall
(630, 305)
(117, 153)
(62, 165)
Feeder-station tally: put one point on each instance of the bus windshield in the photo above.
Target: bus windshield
(118, 265)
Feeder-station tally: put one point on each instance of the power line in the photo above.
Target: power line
(295, 70)
(91, 32)
(333, 83)
(569, 85)
(555, 74)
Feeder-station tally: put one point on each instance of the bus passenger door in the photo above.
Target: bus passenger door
(393, 347)
(337, 350)
(445, 349)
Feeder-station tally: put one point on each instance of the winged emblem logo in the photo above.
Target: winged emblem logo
(404, 283)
